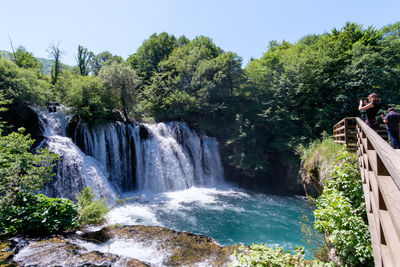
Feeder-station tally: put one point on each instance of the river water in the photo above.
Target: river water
(227, 214)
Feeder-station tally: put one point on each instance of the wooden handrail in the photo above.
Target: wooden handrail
(380, 173)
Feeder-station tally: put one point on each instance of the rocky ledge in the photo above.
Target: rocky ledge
(119, 246)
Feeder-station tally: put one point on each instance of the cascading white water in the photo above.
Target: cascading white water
(75, 169)
(153, 157)
(120, 157)
(173, 157)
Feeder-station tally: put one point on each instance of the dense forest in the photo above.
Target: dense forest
(260, 113)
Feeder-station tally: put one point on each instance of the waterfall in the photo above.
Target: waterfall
(111, 146)
(118, 157)
(173, 157)
(75, 169)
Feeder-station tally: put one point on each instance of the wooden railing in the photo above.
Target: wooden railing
(380, 173)
(345, 132)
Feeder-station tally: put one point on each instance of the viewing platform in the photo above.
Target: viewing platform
(380, 174)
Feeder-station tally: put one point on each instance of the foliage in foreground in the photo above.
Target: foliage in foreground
(37, 215)
(20, 169)
(262, 255)
(91, 211)
(341, 213)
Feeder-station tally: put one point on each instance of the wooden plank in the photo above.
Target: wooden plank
(340, 141)
(374, 186)
(339, 128)
(364, 143)
(340, 122)
(376, 248)
(375, 212)
(367, 198)
(387, 259)
(375, 243)
(365, 160)
(391, 237)
(373, 224)
(391, 196)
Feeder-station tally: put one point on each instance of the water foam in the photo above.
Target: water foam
(149, 252)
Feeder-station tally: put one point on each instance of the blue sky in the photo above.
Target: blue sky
(120, 26)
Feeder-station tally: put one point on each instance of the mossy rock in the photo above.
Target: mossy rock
(185, 248)
(6, 254)
(100, 236)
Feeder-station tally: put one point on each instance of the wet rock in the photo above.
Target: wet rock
(22, 115)
(117, 115)
(17, 243)
(72, 126)
(60, 251)
(100, 236)
(126, 246)
(143, 132)
(184, 248)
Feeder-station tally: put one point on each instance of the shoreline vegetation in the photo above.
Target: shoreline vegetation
(261, 114)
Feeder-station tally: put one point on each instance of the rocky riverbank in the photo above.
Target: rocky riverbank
(118, 246)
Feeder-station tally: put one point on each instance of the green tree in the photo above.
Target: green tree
(153, 50)
(22, 84)
(83, 58)
(104, 58)
(20, 169)
(55, 53)
(123, 82)
(26, 60)
(198, 75)
(88, 97)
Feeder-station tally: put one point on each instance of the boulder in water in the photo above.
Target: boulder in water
(144, 132)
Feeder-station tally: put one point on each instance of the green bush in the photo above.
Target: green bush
(262, 255)
(91, 211)
(20, 169)
(37, 215)
(317, 160)
(341, 213)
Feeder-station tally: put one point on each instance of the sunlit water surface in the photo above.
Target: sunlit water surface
(230, 216)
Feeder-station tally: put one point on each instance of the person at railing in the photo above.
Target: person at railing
(371, 109)
(392, 120)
